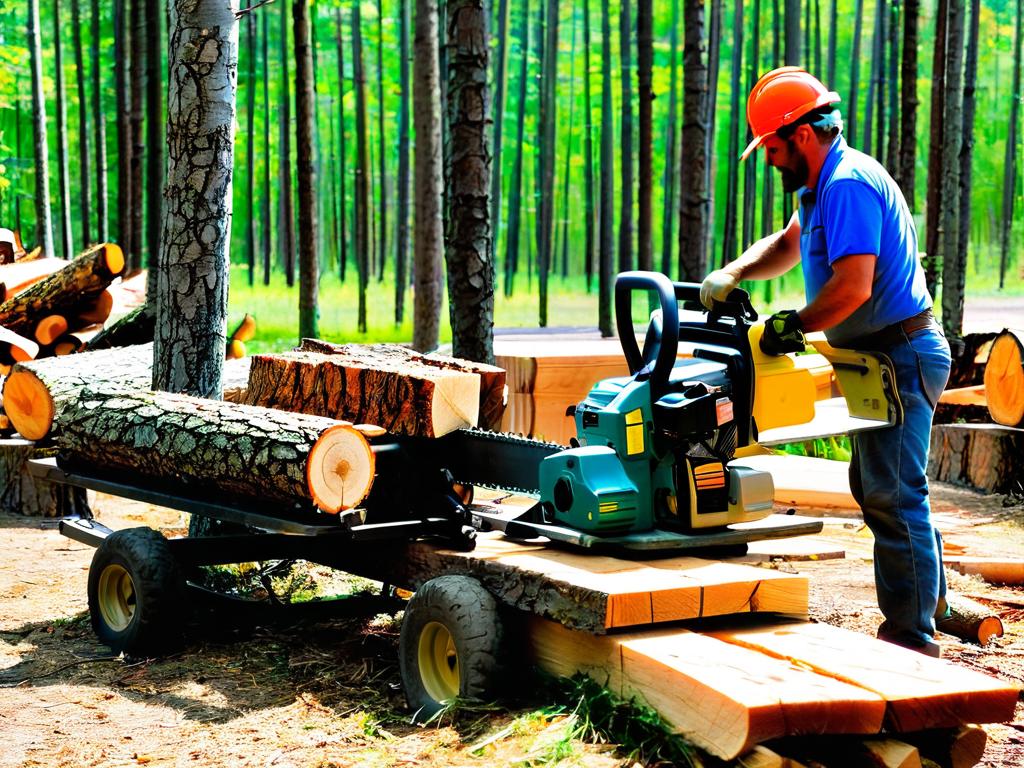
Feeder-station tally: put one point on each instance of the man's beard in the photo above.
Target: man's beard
(793, 179)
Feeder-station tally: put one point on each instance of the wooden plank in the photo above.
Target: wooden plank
(889, 753)
(802, 481)
(920, 692)
(996, 570)
(722, 697)
(799, 549)
(965, 396)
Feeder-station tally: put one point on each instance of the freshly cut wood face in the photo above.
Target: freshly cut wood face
(29, 405)
(1004, 379)
(340, 469)
(50, 328)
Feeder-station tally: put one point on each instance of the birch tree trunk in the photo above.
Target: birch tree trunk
(909, 103)
(468, 176)
(428, 242)
(952, 262)
(99, 124)
(693, 156)
(67, 250)
(607, 242)
(645, 89)
(402, 244)
(84, 162)
(44, 225)
(626, 140)
(192, 279)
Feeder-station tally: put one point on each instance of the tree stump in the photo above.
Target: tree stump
(23, 494)
(1004, 378)
(987, 457)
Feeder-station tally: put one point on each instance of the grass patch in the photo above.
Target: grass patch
(835, 447)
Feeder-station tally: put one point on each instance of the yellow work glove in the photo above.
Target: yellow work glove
(716, 287)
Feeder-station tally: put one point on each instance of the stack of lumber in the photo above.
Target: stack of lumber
(389, 385)
(52, 306)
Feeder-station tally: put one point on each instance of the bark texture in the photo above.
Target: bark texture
(468, 175)
(66, 250)
(402, 240)
(192, 274)
(286, 211)
(44, 225)
(645, 95)
(626, 140)
(362, 236)
(84, 163)
(953, 262)
(428, 239)
(309, 242)
(606, 242)
(23, 494)
(156, 138)
(909, 102)
(988, 457)
(194, 445)
(137, 327)
(136, 94)
(694, 204)
(99, 126)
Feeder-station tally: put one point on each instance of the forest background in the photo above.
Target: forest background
(549, 66)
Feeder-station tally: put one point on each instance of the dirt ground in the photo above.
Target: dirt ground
(329, 695)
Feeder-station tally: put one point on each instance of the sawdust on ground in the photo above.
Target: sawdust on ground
(329, 695)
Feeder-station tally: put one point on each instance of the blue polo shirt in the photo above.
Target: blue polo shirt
(857, 208)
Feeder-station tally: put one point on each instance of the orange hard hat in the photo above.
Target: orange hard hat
(781, 97)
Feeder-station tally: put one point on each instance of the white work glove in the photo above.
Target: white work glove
(716, 287)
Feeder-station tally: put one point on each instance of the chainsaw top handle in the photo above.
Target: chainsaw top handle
(661, 346)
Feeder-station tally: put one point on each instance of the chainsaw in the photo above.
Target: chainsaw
(652, 466)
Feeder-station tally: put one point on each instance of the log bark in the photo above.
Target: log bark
(969, 621)
(24, 273)
(1004, 378)
(137, 327)
(492, 378)
(23, 494)
(35, 391)
(988, 457)
(961, 747)
(405, 399)
(207, 446)
(78, 283)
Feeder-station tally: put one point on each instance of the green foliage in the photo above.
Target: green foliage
(835, 447)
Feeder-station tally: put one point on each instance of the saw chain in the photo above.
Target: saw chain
(494, 459)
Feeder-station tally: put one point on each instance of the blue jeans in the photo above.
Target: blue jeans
(888, 479)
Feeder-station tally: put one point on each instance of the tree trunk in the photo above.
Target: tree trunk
(250, 144)
(626, 139)
(546, 203)
(467, 176)
(588, 161)
(122, 29)
(265, 202)
(892, 153)
(710, 170)
(953, 263)
(99, 124)
(671, 156)
(833, 26)
(21, 493)
(84, 161)
(645, 94)
(309, 255)
(156, 142)
(66, 248)
(44, 226)
(362, 234)
(693, 158)
(933, 200)
(428, 242)
(955, 271)
(136, 87)
(286, 212)
(263, 455)
(987, 457)
(1010, 162)
(402, 396)
(794, 56)
(382, 248)
(851, 116)
(516, 191)
(191, 325)
(908, 103)
(606, 246)
(750, 169)
(342, 151)
(501, 81)
(568, 151)
(402, 245)
(729, 250)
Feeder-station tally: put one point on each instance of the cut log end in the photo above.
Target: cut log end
(1004, 379)
(28, 404)
(114, 258)
(456, 404)
(50, 328)
(246, 329)
(235, 350)
(340, 469)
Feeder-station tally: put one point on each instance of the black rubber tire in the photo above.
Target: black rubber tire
(152, 614)
(470, 614)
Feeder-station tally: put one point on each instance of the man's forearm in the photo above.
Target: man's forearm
(838, 298)
(767, 258)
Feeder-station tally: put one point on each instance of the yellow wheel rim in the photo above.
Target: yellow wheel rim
(439, 662)
(116, 597)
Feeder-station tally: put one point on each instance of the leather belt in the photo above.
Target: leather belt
(894, 334)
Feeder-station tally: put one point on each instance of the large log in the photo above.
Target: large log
(1004, 378)
(404, 399)
(210, 447)
(492, 378)
(20, 275)
(73, 286)
(988, 457)
(33, 390)
(23, 494)
(969, 621)
(135, 327)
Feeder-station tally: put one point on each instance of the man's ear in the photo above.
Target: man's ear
(804, 135)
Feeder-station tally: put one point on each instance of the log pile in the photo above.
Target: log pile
(388, 385)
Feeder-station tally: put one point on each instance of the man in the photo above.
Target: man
(854, 238)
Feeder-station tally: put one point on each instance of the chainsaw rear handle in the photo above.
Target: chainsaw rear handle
(666, 334)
